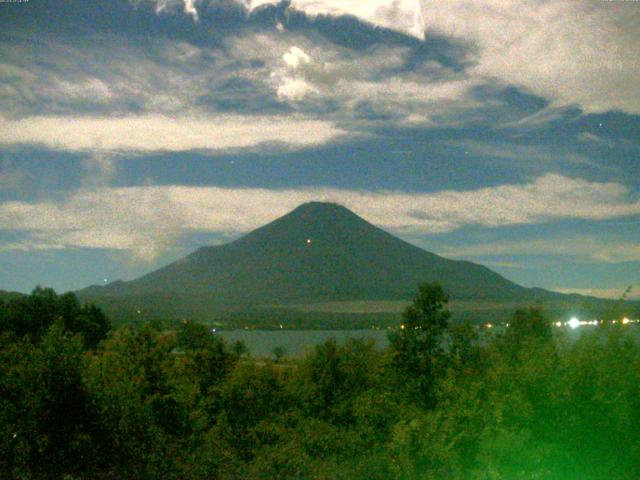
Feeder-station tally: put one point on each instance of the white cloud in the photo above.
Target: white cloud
(190, 9)
(568, 52)
(292, 87)
(533, 157)
(146, 220)
(180, 84)
(408, 97)
(63, 76)
(296, 57)
(295, 89)
(614, 293)
(583, 248)
(163, 6)
(87, 89)
(311, 72)
(401, 15)
(163, 133)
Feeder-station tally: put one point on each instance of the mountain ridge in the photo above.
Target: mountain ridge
(318, 252)
(7, 296)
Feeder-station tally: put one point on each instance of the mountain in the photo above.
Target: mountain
(319, 252)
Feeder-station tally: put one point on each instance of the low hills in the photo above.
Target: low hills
(8, 296)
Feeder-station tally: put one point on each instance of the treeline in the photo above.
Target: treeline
(78, 400)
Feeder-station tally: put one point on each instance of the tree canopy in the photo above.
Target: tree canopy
(442, 401)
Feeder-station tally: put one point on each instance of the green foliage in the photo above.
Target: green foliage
(418, 347)
(528, 325)
(204, 359)
(148, 402)
(334, 375)
(44, 415)
(279, 353)
(32, 315)
(128, 384)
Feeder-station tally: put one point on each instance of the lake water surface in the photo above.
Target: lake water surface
(297, 342)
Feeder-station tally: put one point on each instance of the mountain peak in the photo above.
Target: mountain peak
(310, 221)
(321, 208)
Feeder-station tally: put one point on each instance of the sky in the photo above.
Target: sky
(504, 133)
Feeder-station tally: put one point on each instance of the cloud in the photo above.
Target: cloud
(292, 87)
(400, 15)
(162, 133)
(190, 9)
(614, 293)
(311, 73)
(164, 6)
(583, 248)
(583, 56)
(148, 220)
(531, 157)
(173, 82)
(265, 72)
(571, 53)
(295, 57)
(317, 75)
(62, 76)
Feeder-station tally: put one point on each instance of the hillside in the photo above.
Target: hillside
(7, 296)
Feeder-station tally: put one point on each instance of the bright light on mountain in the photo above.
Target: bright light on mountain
(574, 323)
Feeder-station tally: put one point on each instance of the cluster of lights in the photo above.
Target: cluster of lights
(575, 322)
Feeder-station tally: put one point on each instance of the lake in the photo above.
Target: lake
(297, 342)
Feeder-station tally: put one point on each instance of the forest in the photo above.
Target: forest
(80, 399)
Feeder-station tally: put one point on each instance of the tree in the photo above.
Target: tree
(129, 382)
(239, 348)
(32, 316)
(527, 326)
(205, 358)
(279, 353)
(43, 407)
(417, 348)
(333, 375)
